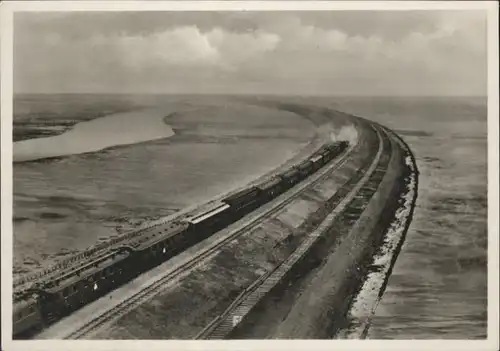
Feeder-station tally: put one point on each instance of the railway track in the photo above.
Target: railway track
(359, 192)
(270, 209)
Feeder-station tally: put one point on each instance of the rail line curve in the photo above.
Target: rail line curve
(249, 298)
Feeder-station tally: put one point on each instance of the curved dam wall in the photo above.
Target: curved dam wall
(367, 299)
(316, 299)
(321, 310)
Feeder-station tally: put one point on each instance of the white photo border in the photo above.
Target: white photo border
(8, 8)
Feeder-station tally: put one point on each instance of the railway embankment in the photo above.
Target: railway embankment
(375, 281)
(320, 310)
(316, 300)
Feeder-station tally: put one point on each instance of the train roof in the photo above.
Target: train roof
(241, 193)
(291, 172)
(204, 208)
(304, 163)
(81, 273)
(83, 263)
(316, 158)
(322, 148)
(268, 183)
(157, 234)
(200, 217)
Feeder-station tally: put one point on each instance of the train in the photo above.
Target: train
(47, 302)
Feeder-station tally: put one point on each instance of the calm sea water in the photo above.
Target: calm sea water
(438, 288)
(123, 128)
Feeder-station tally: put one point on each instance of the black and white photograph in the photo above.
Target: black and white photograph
(299, 173)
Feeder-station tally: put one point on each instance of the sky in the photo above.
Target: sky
(374, 53)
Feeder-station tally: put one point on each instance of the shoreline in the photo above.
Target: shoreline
(85, 134)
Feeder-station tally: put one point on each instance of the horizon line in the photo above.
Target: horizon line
(254, 94)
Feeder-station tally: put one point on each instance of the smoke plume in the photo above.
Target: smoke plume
(346, 133)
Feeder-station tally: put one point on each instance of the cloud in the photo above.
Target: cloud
(184, 46)
(188, 46)
(239, 47)
(367, 52)
(180, 46)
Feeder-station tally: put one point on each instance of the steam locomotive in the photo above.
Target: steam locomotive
(51, 300)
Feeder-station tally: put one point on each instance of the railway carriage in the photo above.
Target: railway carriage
(305, 168)
(207, 221)
(290, 177)
(317, 161)
(318, 157)
(158, 245)
(327, 156)
(78, 287)
(271, 187)
(244, 201)
(26, 317)
(319, 151)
